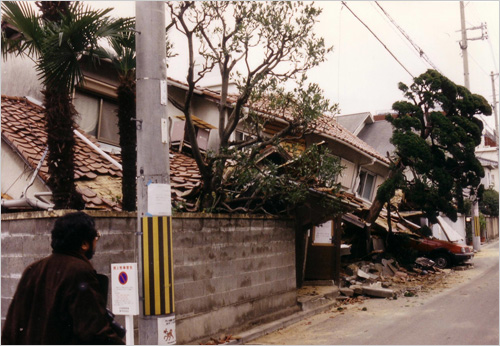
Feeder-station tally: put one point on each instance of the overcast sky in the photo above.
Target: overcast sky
(361, 75)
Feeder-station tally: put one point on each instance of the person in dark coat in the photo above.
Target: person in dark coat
(59, 299)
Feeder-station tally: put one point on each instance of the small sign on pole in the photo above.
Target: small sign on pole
(125, 295)
(166, 330)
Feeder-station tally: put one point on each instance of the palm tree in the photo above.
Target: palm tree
(56, 39)
(122, 55)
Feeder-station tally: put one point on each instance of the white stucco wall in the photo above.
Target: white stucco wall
(16, 175)
(491, 174)
(19, 78)
(457, 227)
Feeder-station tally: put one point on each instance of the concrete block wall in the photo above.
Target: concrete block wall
(229, 271)
(492, 228)
(26, 238)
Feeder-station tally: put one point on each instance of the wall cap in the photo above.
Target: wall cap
(126, 214)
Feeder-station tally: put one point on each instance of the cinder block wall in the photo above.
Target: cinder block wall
(229, 271)
(491, 231)
(26, 238)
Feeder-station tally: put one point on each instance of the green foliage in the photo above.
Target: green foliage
(265, 186)
(488, 204)
(58, 44)
(435, 134)
(56, 39)
(482, 222)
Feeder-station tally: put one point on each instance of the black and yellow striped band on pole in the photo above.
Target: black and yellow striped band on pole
(157, 265)
(477, 226)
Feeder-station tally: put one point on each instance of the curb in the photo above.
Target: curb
(270, 327)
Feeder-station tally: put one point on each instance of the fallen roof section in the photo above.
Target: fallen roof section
(97, 179)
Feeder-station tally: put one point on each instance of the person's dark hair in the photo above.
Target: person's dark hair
(71, 231)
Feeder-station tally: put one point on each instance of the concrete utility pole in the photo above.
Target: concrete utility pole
(463, 45)
(153, 182)
(495, 109)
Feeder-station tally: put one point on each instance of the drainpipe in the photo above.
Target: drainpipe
(35, 173)
(99, 150)
(27, 202)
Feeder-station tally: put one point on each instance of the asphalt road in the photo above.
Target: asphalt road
(464, 311)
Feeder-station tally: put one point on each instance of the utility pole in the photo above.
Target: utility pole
(495, 109)
(464, 45)
(476, 240)
(154, 250)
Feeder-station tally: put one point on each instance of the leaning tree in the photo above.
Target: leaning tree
(265, 48)
(56, 38)
(435, 133)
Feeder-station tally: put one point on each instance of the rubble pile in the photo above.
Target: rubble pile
(221, 340)
(387, 279)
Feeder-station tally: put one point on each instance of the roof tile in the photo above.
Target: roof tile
(97, 180)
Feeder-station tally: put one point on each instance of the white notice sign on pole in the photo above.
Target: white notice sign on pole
(125, 289)
(159, 200)
(166, 330)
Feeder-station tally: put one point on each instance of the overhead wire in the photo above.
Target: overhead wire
(382, 43)
(339, 47)
(419, 50)
(395, 30)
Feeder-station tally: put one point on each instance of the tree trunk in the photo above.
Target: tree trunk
(59, 124)
(128, 141)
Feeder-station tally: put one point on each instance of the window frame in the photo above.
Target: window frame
(100, 97)
(363, 184)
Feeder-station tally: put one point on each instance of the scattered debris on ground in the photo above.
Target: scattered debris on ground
(222, 339)
(388, 279)
(364, 280)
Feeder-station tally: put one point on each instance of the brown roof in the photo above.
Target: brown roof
(326, 125)
(96, 178)
(329, 126)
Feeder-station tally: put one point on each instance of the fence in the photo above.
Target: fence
(229, 271)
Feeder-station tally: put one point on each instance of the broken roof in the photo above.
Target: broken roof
(97, 179)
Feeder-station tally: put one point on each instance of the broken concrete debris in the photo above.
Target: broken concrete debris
(223, 339)
(378, 292)
(376, 279)
(425, 263)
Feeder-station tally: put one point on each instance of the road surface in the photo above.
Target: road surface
(464, 310)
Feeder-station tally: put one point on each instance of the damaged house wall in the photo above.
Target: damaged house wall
(228, 271)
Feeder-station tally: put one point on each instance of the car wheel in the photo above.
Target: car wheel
(442, 261)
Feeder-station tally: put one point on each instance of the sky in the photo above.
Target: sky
(361, 75)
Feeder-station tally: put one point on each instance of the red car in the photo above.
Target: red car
(444, 253)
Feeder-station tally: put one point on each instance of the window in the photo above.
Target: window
(366, 183)
(97, 116)
(240, 136)
(180, 138)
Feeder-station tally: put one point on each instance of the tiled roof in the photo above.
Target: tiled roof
(96, 178)
(326, 125)
(329, 126)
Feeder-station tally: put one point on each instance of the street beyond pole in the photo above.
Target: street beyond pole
(152, 148)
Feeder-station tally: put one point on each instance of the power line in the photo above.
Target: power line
(395, 30)
(419, 50)
(382, 43)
